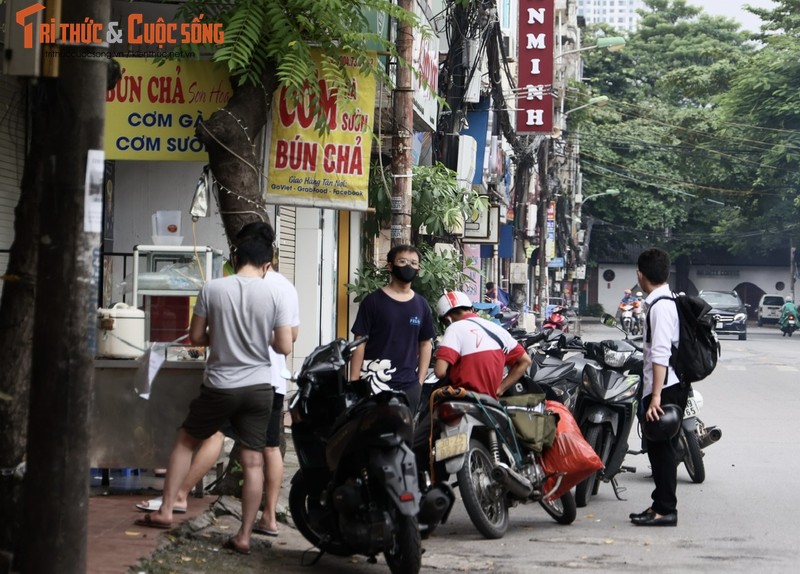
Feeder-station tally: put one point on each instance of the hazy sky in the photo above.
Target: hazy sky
(733, 9)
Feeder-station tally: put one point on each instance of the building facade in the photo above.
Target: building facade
(621, 14)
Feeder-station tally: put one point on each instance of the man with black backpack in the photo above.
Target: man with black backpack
(661, 386)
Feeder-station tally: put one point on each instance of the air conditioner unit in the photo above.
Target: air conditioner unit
(509, 47)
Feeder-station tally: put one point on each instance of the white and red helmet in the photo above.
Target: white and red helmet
(452, 300)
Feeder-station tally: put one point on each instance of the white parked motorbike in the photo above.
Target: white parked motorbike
(695, 436)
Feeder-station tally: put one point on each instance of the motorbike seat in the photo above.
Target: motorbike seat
(460, 394)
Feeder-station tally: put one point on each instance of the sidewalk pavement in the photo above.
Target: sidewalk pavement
(116, 545)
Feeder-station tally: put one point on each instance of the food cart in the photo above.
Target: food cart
(137, 410)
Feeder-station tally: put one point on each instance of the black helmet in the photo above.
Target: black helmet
(666, 427)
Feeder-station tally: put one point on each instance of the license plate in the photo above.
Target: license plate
(719, 325)
(451, 446)
(691, 408)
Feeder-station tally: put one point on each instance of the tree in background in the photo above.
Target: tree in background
(660, 138)
(761, 111)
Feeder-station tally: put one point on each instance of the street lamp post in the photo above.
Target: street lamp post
(611, 43)
(580, 199)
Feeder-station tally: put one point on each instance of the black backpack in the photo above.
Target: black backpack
(698, 348)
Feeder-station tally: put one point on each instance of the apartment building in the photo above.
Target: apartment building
(621, 14)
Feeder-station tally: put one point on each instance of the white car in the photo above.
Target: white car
(769, 308)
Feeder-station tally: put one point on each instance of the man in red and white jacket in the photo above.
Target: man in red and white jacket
(476, 350)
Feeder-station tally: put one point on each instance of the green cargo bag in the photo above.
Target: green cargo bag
(535, 427)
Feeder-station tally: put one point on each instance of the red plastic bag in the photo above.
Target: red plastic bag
(570, 453)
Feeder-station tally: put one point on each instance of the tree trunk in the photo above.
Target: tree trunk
(56, 483)
(230, 136)
(16, 325)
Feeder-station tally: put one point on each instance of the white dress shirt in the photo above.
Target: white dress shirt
(664, 334)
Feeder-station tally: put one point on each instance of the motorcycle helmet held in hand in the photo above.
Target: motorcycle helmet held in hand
(452, 300)
(666, 427)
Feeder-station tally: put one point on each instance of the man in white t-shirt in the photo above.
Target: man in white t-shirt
(239, 318)
(208, 453)
(273, 461)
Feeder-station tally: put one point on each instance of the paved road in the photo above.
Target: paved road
(741, 519)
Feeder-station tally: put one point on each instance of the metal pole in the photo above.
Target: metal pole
(403, 130)
(792, 267)
(543, 156)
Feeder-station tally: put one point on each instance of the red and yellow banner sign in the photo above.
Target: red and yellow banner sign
(152, 112)
(323, 170)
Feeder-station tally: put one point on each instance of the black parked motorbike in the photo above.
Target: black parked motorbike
(356, 491)
(606, 410)
(601, 389)
(474, 439)
(558, 365)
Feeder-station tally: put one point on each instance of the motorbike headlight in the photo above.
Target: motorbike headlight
(740, 317)
(632, 385)
(615, 359)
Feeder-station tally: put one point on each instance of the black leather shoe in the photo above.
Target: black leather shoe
(652, 520)
(642, 514)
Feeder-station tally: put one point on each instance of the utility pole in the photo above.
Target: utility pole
(403, 130)
(543, 161)
(56, 499)
(792, 267)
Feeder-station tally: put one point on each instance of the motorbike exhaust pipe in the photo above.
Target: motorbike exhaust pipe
(514, 482)
(712, 435)
(435, 505)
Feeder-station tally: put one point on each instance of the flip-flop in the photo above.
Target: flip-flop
(265, 531)
(230, 545)
(148, 522)
(155, 503)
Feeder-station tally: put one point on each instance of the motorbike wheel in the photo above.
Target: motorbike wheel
(406, 556)
(693, 457)
(594, 436)
(300, 504)
(483, 498)
(563, 510)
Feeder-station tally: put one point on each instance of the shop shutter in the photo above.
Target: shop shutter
(12, 159)
(287, 219)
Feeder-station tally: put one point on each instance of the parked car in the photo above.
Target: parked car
(729, 311)
(769, 308)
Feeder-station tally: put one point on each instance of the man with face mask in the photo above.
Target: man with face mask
(400, 328)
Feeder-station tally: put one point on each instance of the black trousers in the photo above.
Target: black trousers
(665, 456)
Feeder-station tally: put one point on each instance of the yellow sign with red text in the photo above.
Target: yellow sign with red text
(323, 170)
(152, 112)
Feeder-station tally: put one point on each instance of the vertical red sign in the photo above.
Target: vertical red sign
(535, 41)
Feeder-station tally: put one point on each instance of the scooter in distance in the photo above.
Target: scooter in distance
(627, 320)
(789, 326)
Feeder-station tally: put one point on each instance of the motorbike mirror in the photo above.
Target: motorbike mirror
(608, 320)
(288, 375)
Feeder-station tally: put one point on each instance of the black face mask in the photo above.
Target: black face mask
(406, 273)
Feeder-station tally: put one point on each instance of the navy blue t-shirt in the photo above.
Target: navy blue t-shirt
(395, 329)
